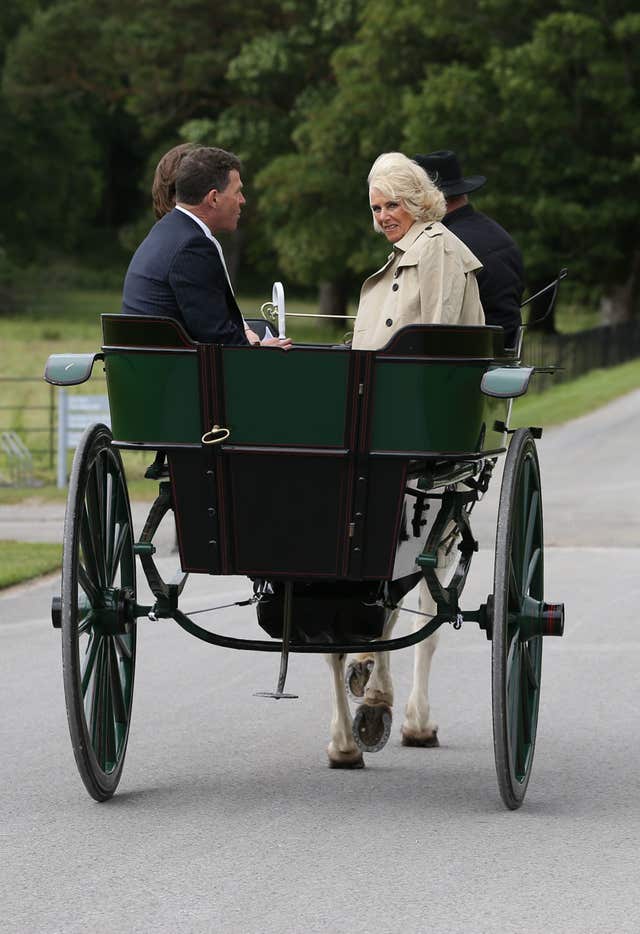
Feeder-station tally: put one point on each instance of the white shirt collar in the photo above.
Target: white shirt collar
(200, 223)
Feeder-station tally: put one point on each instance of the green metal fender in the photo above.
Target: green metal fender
(70, 369)
(506, 382)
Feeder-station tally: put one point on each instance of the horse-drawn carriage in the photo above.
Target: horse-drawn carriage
(336, 503)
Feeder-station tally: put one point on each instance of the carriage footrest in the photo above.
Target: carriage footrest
(325, 612)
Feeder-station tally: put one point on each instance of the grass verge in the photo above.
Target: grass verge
(22, 561)
(570, 400)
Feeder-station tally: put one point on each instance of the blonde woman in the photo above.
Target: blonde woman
(429, 277)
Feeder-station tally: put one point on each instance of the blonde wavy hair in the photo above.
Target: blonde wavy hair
(163, 189)
(403, 180)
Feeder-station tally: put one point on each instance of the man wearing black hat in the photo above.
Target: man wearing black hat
(501, 280)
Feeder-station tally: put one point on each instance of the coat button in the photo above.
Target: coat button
(396, 274)
(388, 322)
(395, 287)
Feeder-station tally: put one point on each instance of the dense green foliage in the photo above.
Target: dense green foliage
(309, 92)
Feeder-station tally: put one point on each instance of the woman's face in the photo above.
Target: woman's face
(392, 217)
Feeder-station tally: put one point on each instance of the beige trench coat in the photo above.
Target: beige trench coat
(428, 279)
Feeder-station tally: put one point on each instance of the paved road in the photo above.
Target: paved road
(227, 819)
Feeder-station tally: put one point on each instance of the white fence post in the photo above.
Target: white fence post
(62, 438)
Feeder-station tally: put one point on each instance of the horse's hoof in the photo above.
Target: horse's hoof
(371, 727)
(347, 761)
(423, 740)
(357, 676)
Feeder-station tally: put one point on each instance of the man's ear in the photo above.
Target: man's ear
(211, 198)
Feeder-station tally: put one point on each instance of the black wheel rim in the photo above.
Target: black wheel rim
(99, 639)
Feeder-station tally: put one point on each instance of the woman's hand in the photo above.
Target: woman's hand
(251, 336)
(284, 343)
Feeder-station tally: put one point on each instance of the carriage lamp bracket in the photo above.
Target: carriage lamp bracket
(500, 426)
(480, 484)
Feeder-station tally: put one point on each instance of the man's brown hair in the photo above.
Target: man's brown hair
(201, 170)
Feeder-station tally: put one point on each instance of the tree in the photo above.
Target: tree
(546, 105)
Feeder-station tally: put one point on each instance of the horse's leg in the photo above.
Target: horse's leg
(379, 689)
(418, 729)
(358, 673)
(372, 721)
(342, 750)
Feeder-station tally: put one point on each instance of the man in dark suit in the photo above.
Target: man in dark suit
(178, 270)
(501, 280)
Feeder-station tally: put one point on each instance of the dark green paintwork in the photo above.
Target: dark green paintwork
(435, 407)
(154, 397)
(296, 397)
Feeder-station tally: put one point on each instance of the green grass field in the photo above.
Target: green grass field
(21, 561)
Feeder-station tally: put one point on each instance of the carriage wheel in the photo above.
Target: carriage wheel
(518, 584)
(97, 612)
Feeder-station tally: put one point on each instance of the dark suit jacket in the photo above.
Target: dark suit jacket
(501, 280)
(177, 272)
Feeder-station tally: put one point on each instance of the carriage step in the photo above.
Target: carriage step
(277, 695)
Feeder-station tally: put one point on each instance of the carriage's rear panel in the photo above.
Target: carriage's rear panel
(311, 481)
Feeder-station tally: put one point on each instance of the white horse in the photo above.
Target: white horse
(370, 678)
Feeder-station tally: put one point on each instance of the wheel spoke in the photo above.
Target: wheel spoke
(84, 624)
(117, 690)
(123, 643)
(110, 748)
(96, 515)
(528, 539)
(514, 598)
(88, 548)
(91, 591)
(108, 522)
(528, 667)
(96, 702)
(531, 570)
(525, 695)
(120, 540)
(89, 661)
(513, 697)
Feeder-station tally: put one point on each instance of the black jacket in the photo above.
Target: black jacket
(177, 272)
(501, 280)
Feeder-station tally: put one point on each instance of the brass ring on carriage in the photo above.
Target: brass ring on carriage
(215, 435)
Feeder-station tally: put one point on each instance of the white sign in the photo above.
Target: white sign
(83, 411)
(75, 414)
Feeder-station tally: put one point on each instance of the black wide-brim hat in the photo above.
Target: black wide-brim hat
(444, 169)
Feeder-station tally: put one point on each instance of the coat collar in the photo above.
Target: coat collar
(415, 231)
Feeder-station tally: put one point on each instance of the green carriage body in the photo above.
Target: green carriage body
(310, 481)
(311, 467)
